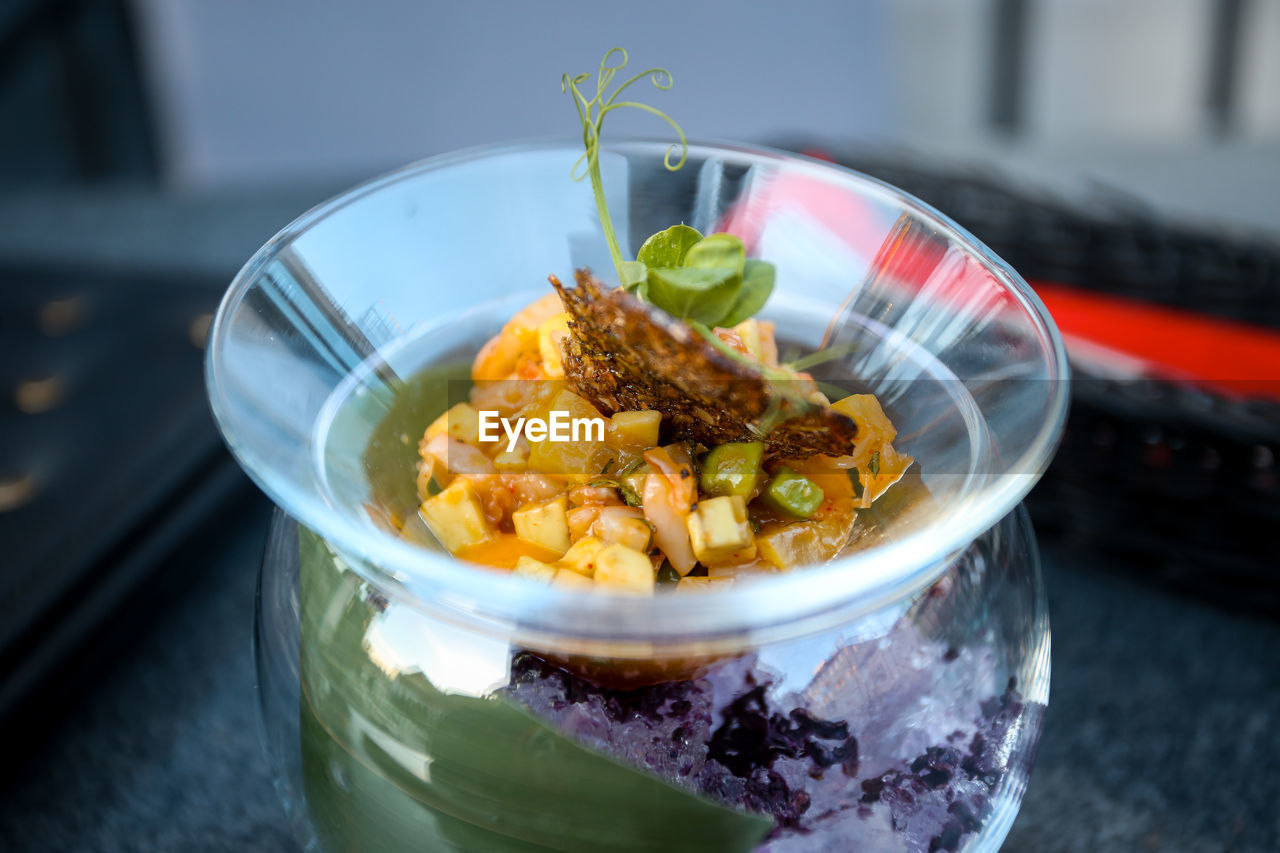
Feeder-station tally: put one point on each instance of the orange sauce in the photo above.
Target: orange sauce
(503, 550)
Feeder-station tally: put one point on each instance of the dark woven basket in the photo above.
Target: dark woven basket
(1181, 482)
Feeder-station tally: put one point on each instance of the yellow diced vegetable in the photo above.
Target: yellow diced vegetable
(726, 572)
(581, 558)
(456, 517)
(537, 570)
(461, 422)
(572, 580)
(550, 333)
(512, 461)
(789, 545)
(635, 430)
(740, 557)
(544, 523)
(718, 528)
(586, 456)
(624, 569)
(577, 407)
(750, 335)
(702, 584)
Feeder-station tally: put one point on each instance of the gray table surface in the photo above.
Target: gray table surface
(1161, 731)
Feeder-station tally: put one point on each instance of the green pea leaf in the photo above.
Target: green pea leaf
(633, 274)
(668, 248)
(694, 293)
(716, 251)
(757, 284)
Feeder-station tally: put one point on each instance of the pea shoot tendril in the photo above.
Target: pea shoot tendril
(592, 112)
(706, 282)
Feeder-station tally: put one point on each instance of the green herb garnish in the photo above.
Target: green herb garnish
(667, 574)
(629, 468)
(629, 496)
(707, 281)
(874, 465)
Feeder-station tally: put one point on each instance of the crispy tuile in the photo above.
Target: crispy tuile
(624, 355)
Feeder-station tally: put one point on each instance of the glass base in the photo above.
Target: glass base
(912, 726)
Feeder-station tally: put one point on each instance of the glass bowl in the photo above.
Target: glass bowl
(891, 698)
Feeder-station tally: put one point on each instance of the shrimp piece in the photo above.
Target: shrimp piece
(497, 358)
(496, 497)
(593, 495)
(537, 312)
(532, 487)
(670, 532)
(502, 355)
(623, 525)
(676, 466)
(581, 520)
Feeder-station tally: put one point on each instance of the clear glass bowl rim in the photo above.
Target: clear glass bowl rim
(792, 603)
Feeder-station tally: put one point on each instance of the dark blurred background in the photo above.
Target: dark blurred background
(1124, 157)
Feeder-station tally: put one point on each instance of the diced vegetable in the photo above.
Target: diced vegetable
(718, 529)
(624, 569)
(583, 457)
(461, 422)
(450, 456)
(456, 517)
(792, 494)
(544, 523)
(757, 337)
(733, 469)
(739, 557)
(728, 572)
(572, 580)
(512, 461)
(634, 430)
(789, 545)
(550, 333)
(581, 557)
(537, 570)
(702, 584)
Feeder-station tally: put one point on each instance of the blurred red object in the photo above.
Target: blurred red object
(1105, 334)
(1151, 341)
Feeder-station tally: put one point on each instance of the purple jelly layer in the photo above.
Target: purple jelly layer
(726, 736)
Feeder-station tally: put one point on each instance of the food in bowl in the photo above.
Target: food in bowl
(891, 730)
(674, 486)
(717, 460)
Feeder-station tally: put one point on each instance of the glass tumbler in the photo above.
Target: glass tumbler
(890, 699)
